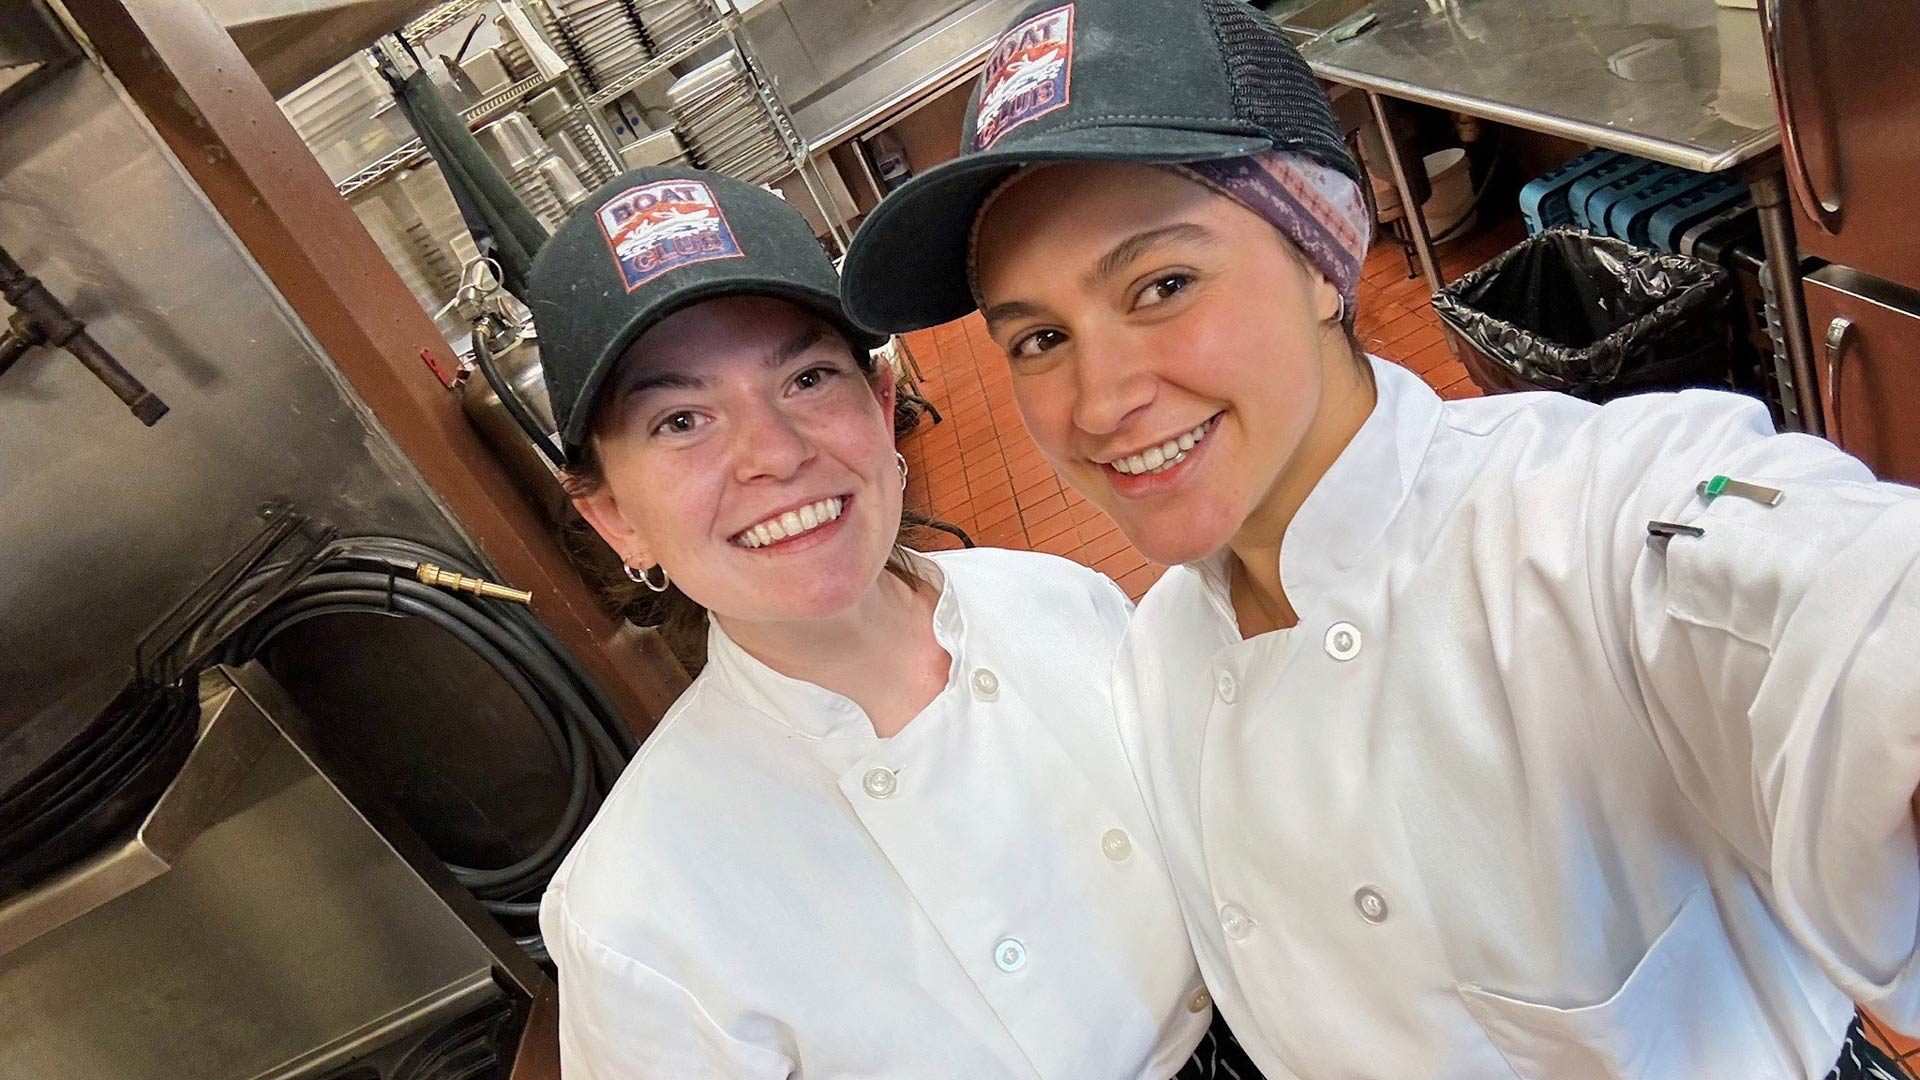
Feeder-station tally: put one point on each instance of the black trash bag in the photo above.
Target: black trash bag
(1590, 316)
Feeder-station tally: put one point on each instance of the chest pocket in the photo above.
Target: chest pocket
(1687, 1010)
(1738, 578)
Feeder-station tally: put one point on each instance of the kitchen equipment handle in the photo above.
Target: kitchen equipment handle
(1778, 26)
(1839, 334)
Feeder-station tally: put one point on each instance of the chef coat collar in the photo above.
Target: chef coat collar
(1357, 498)
(810, 709)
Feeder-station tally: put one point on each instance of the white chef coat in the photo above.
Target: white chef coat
(1523, 794)
(772, 890)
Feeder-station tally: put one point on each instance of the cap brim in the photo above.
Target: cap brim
(826, 305)
(907, 266)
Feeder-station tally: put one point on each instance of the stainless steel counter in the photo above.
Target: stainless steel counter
(1542, 65)
(930, 62)
(290, 938)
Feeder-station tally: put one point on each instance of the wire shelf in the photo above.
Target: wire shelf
(492, 108)
(440, 18)
(680, 50)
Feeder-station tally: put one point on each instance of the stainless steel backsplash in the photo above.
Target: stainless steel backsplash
(809, 44)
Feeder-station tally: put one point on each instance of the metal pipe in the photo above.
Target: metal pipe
(1770, 197)
(147, 408)
(12, 347)
(1411, 210)
(40, 318)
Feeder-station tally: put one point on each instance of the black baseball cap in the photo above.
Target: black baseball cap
(1150, 81)
(650, 243)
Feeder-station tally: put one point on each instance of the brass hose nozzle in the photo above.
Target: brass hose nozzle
(430, 574)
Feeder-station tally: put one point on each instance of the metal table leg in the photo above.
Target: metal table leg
(1411, 211)
(913, 362)
(1366, 191)
(1772, 200)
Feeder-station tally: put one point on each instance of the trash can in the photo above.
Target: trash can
(1590, 316)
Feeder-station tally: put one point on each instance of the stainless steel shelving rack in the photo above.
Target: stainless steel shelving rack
(756, 141)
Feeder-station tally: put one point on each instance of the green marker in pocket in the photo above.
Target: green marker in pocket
(1726, 485)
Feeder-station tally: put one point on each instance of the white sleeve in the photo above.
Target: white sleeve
(1779, 659)
(622, 1020)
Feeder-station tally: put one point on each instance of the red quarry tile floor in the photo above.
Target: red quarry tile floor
(979, 470)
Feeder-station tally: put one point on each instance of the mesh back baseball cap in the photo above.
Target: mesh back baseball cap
(1149, 81)
(650, 243)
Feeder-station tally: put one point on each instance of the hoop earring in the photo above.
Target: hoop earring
(645, 577)
(901, 460)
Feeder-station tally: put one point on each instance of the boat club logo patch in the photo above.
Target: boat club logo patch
(655, 227)
(1028, 75)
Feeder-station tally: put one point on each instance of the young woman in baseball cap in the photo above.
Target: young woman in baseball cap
(1505, 737)
(889, 831)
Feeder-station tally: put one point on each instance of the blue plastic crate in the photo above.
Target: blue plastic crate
(1627, 172)
(1602, 203)
(1544, 201)
(1671, 221)
(1629, 217)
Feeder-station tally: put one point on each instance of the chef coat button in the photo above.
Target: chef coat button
(1226, 686)
(986, 685)
(1373, 906)
(1010, 955)
(1343, 641)
(1199, 1001)
(1238, 924)
(1116, 845)
(880, 782)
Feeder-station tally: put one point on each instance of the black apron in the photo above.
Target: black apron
(1219, 1057)
(1863, 1057)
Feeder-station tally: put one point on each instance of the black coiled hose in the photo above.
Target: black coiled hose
(375, 575)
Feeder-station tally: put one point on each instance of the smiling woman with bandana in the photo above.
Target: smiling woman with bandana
(1460, 772)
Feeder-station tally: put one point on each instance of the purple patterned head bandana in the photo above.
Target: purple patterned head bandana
(1317, 208)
